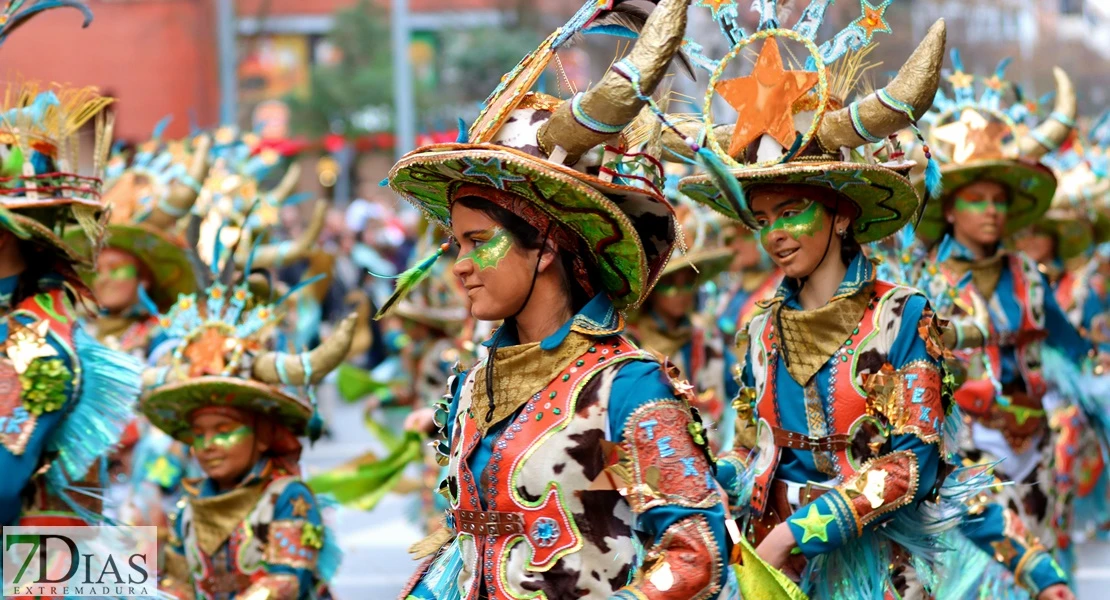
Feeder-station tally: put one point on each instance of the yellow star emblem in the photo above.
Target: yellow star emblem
(814, 525)
(960, 79)
(300, 507)
(972, 136)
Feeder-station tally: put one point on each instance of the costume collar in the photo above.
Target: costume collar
(598, 318)
(861, 273)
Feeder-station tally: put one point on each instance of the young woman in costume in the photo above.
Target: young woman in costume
(844, 414)
(574, 467)
(1002, 311)
(250, 527)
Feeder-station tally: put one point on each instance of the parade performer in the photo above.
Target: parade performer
(670, 324)
(567, 447)
(145, 264)
(1002, 312)
(67, 399)
(250, 527)
(142, 268)
(844, 412)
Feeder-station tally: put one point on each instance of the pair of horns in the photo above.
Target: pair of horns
(1048, 136)
(915, 85)
(282, 253)
(183, 194)
(614, 101)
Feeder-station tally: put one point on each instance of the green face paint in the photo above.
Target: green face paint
(123, 272)
(808, 222)
(980, 206)
(489, 254)
(223, 441)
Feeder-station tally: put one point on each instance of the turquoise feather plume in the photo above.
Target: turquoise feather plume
(722, 177)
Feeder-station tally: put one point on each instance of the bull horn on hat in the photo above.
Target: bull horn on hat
(1048, 136)
(320, 360)
(183, 194)
(275, 255)
(287, 184)
(614, 102)
(915, 85)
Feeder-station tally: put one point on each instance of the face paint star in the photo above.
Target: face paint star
(872, 19)
(491, 170)
(715, 6)
(972, 136)
(763, 100)
(814, 525)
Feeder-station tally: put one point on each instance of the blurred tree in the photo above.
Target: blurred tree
(359, 79)
(354, 92)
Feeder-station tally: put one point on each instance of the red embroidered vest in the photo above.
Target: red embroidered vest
(844, 402)
(513, 543)
(977, 396)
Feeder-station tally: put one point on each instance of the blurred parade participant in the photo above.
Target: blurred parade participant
(1002, 311)
(670, 324)
(753, 277)
(142, 269)
(250, 527)
(1063, 243)
(844, 417)
(547, 440)
(67, 398)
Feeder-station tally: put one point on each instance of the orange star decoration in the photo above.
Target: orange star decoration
(206, 353)
(973, 136)
(763, 100)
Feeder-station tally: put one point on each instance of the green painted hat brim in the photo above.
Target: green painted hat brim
(429, 176)
(708, 263)
(1073, 237)
(885, 199)
(1101, 227)
(167, 261)
(169, 406)
(1031, 187)
(43, 236)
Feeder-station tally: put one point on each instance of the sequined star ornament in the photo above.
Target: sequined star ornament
(764, 99)
(872, 19)
(814, 525)
(973, 136)
(715, 6)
